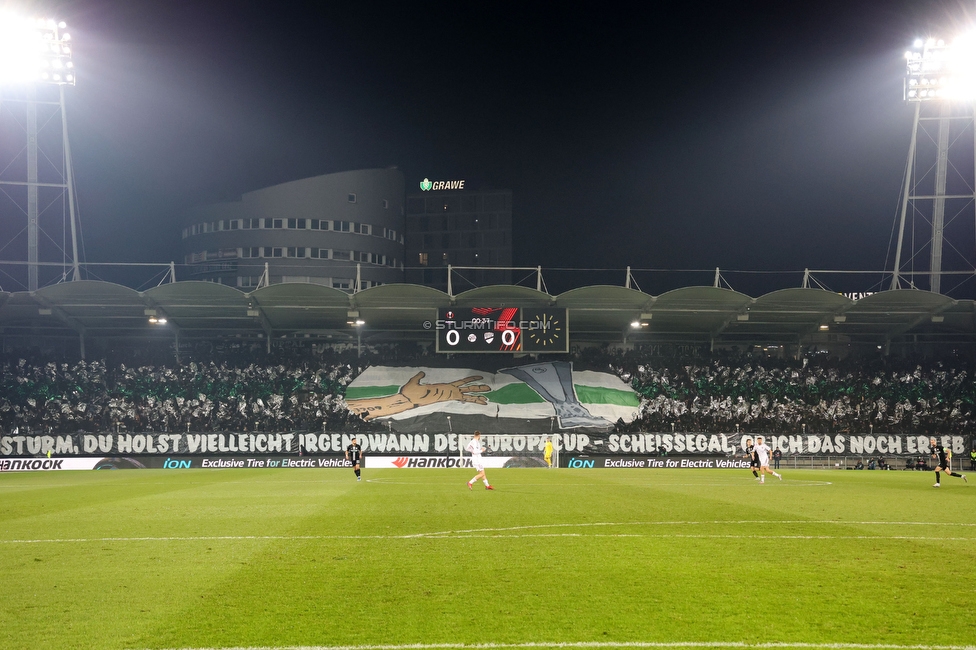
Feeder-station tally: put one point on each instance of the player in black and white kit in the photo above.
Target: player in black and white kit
(751, 455)
(942, 464)
(354, 454)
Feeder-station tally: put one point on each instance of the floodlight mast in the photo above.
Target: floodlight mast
(941, 75)
(33, 53)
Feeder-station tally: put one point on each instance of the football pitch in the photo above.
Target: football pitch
(569, 558)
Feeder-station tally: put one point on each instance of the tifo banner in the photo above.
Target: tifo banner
(397, 444)
(811, 445)
(495, 402)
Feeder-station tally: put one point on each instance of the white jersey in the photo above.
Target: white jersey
(474, 448)
(762, 452)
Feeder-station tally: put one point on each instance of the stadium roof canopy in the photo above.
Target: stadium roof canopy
(398, 312)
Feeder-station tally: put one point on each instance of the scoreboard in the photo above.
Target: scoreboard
(502, 329)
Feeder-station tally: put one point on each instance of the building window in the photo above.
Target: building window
(341, 284)
(341, 226)
(342, 255)
(278, 252)
(248, 281)
(293, 223)
(277, 223)
(314, 224)
(352, 198)
(422, 259)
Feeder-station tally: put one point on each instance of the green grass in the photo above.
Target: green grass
(278, 558)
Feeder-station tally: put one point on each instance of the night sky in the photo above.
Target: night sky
(745, 135)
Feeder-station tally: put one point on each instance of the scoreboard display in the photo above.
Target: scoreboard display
(502, 329)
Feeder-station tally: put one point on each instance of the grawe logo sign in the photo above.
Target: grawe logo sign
(428, 185)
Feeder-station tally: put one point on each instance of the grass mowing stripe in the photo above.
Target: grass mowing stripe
(598, 644)
(482, 532)
(242, 538)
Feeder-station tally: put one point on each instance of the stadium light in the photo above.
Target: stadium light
(34, 50)
(37, 52)
(940, 70)
(940, 73)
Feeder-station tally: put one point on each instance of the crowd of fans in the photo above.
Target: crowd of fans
(302, 391)
(93, 396)
(818, 394)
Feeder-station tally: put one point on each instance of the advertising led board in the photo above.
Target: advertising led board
(502, 329)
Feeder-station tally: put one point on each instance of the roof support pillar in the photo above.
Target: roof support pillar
(718, 277)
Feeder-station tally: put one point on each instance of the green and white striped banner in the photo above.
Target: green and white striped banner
(457, 391)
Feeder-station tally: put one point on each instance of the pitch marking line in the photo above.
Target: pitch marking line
(608, 644)
(512, 531)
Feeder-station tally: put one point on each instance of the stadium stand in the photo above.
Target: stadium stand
(299, 391)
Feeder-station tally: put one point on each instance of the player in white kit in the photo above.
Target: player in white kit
(474, 448)
(763, 452)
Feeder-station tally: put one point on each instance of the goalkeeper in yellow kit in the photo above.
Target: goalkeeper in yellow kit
(547, 452)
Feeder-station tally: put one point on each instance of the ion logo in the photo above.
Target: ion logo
(171, 463)
(576, 462)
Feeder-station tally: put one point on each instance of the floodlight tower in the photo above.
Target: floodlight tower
(941, 86)
(35, 58)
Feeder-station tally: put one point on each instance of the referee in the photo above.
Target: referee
(354, 454)
(942, 464)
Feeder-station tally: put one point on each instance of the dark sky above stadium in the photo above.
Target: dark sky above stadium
(746, 135)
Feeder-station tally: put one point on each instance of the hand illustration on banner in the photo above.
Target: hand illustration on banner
(413, 394)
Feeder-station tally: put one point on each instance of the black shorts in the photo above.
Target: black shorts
(939, 467)
(754, 463)
(354, 461)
